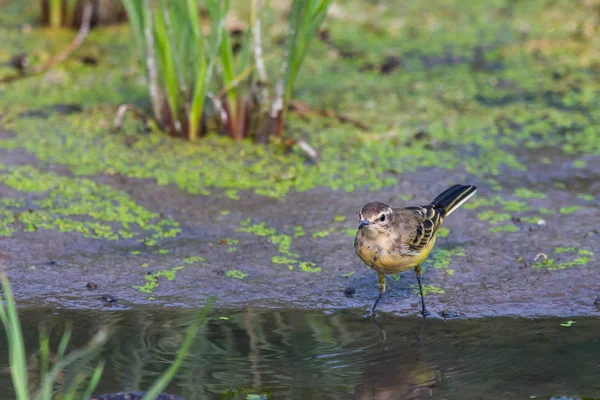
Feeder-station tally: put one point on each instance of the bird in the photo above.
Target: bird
(391, 240)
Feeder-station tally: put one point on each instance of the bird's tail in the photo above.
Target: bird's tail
(452, 198)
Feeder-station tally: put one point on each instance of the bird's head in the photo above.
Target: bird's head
(375, 217)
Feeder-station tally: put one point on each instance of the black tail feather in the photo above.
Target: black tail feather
(452, 198)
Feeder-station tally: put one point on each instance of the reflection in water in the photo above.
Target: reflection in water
(398, 374)
(301, 355)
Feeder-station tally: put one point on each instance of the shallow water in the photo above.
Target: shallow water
(299, 354)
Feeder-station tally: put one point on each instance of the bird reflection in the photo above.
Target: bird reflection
(401, 372)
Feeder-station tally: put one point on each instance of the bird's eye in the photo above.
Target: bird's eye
(382, 218)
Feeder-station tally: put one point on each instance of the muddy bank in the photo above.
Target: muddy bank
(525, 249)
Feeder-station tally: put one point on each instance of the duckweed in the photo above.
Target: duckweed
(441, 258)
(505, 228)
(586, 197)
(570, 257)
(152, 279)
(427, 289)
(529, 194)
(78, 205)
(283, 243)
(320, 234)
(443, 232)
(194, 259)
(569, 209)
(237, 274)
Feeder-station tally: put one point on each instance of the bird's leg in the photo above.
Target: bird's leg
(381, 277)
(424, 311)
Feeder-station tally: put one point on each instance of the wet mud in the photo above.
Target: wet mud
(474, 273)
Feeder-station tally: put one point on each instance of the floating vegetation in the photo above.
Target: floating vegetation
(283, 243)
(79, 205)
(152, 279)
(427, 289)
(194, 259)
(237, 274)
(568, 257)
(441, 258)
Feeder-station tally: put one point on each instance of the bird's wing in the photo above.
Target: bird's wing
(427, 220)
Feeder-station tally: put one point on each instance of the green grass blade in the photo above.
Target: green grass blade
(44, 354)
(12, 325)
(135, 15)
(72, 390)
(168, 375)
(55, 11)
(218, 11)
(197, 106)
(208, 50)
(48, 383)
(94, 380)
(305, 18)
(170, 79)
(64, 342)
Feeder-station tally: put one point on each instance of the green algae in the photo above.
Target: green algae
(514, 206)
(308, 266)
(237, 274)
(79, 205)
(405, 197)
(530, 220)
(443, 232)
(427, 289)
(283, 260)
(493, 216)
(569, 209)
(349, 232)
(441, 258)
(283, 242)
(568, 257)
(152, 279)
(568, 324)
(194, 259)
(528, 194)
(505, 228)
(586, 197)
(559, 250)
(320, 234)
(299, 231)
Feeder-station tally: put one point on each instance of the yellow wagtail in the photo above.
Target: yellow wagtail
(396, 240)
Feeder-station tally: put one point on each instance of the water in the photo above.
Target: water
(293, 354)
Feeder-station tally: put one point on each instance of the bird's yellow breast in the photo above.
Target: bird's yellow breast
(383, 255)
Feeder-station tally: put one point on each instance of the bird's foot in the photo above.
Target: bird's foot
(370, 315)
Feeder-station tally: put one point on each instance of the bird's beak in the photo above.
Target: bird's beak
(363, 223)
